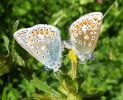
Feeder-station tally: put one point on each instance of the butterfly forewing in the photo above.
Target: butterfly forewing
(84, 33)
(45, 42)
(21, 37)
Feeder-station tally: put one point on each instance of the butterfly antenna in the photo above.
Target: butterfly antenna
(110, 8)
(58, 20)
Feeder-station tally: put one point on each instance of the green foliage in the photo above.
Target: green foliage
(23, 78)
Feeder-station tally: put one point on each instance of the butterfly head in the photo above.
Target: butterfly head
(84, 57)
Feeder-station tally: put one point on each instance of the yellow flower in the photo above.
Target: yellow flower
(72, 56)
(74, 63)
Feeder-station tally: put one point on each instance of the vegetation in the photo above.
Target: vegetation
(23, 78)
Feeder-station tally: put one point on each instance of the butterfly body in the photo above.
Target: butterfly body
(44, 43)
(84, 33)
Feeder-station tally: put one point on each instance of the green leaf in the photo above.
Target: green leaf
(17, 59)
(6, 42)
(13, 94)
(73, 97)
(86, 1)
(3, 66)
(27, 87)
(3, 69)
(4, 95)
(15, 26)
(44, 97)
(43, 86)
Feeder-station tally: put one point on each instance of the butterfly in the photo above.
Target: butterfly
(84, 34)
(43, 42)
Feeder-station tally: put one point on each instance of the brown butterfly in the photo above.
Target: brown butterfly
(84, 33)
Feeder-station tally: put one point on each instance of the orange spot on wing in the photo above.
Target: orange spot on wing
(81, 24)
(45, 31)
(33, 33)
(93, 25)
(40, 31)
(84, 22)
(88, 22)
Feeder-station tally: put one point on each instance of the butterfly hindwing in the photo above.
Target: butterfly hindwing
(84, 33)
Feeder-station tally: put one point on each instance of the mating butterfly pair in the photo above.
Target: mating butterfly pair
(44, 41)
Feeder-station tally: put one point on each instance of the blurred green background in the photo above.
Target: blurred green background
(24, 78)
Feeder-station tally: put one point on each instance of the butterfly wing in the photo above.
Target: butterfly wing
(21, 37)
(45, 42)
(84, 33)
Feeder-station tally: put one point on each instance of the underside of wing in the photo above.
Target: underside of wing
(45, 42)
(84, 32)
(20, 37)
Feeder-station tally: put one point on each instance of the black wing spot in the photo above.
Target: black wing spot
(37, 52)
